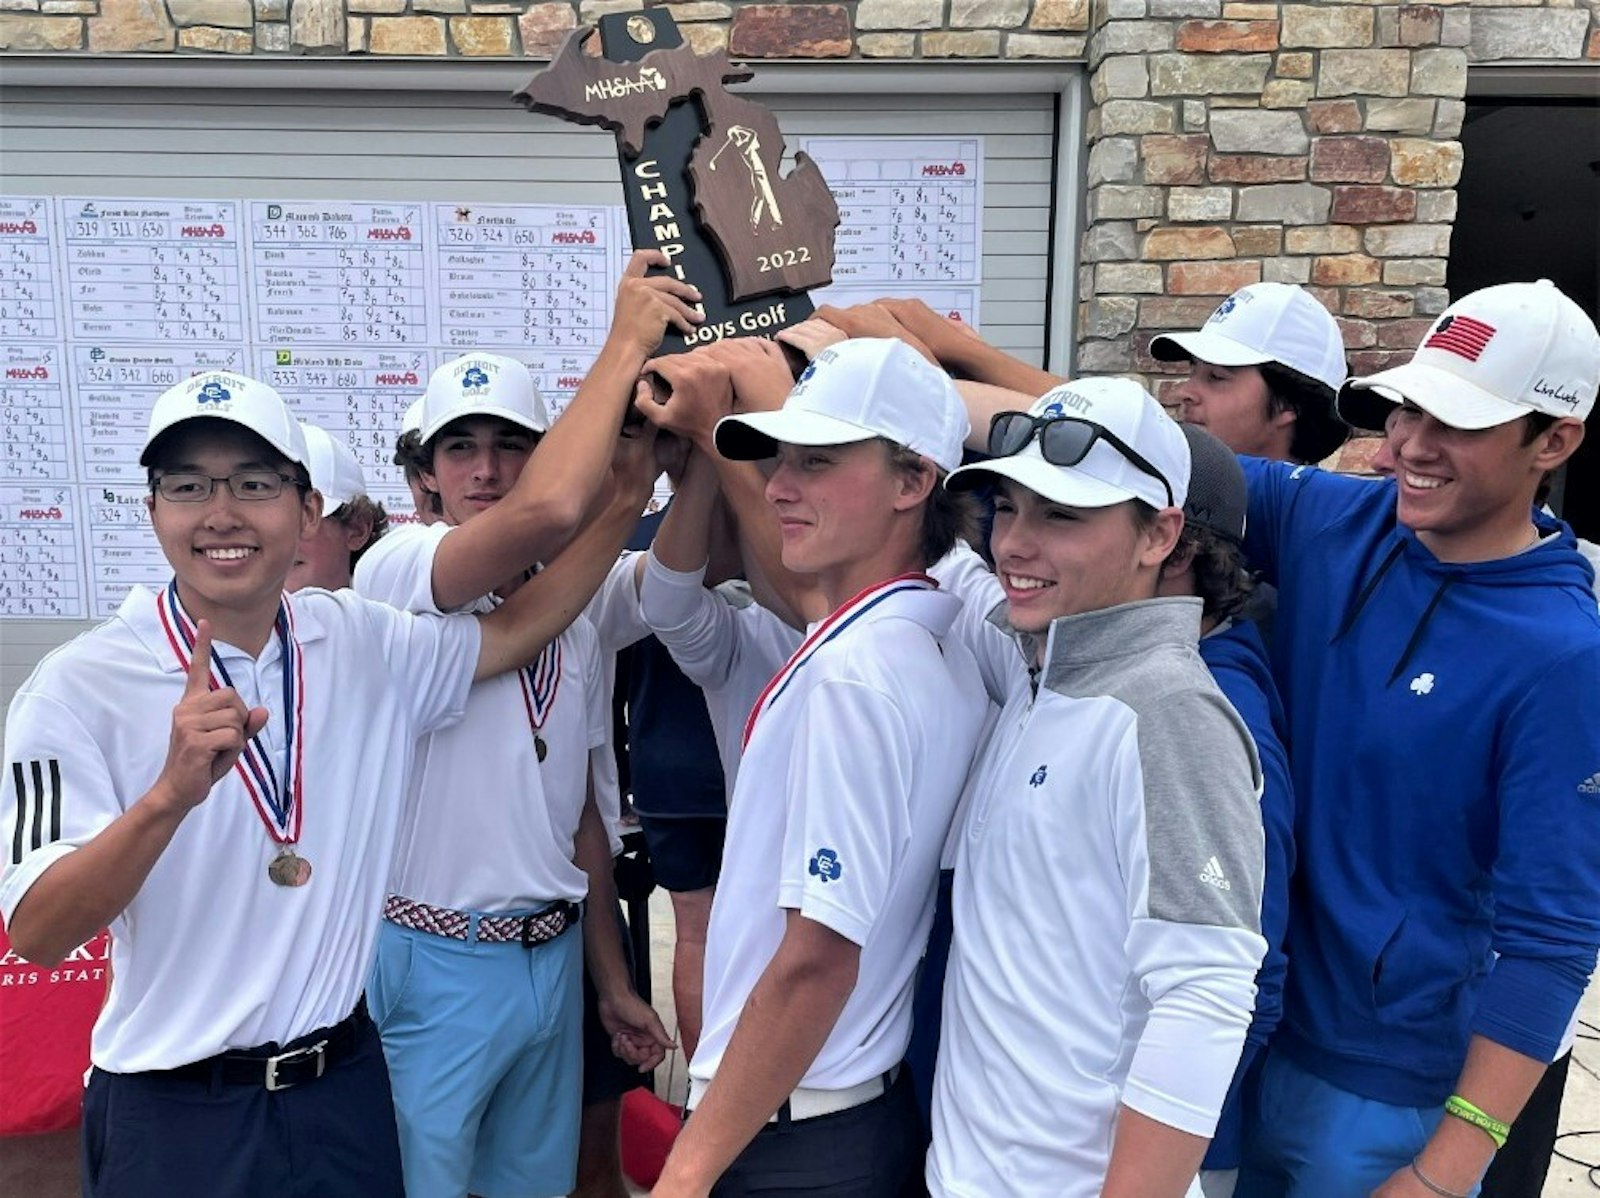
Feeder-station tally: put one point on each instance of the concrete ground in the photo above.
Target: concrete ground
(46, 1166)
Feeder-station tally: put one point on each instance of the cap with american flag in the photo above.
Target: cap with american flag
(1492, 357)
(1460, 335)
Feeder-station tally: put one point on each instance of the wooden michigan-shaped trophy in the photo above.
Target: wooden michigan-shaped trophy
(700, 172)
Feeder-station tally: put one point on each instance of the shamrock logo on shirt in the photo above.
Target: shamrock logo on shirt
(1039, 776)
(825, 864)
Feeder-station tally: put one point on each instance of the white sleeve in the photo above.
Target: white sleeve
(397, 568)
(431, 658)
(57, 792)
(848, 807)
(964, 574)
(698, 627)
(615, 611)
(1188, 821)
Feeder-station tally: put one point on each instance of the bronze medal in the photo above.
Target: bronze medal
(540, 682)
(289, 869)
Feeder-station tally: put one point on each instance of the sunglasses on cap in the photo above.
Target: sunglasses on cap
(1063, 441)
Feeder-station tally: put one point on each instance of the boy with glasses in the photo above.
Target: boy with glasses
(198, 774)
(1108, 865)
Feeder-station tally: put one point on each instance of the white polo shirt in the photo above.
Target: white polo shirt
(211, 955)
(964, 574)
(843, 800)
(488, 827)
(722, 641)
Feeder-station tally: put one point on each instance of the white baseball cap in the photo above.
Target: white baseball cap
(334, 469)
(1264, 322)
(1491, 357)
(481, 385)
(854, 391)
(224, 395)
(411, 422)
(1104, 476)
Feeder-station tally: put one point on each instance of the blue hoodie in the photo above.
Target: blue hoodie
(1445, 724)
(1237, 658)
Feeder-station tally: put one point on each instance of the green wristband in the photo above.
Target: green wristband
(1484, 1122)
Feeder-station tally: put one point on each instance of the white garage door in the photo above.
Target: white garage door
(275, 143)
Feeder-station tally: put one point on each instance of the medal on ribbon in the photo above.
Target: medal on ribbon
(276, 794)
(540, 682)
(844, 616)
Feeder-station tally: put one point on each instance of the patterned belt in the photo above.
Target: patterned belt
(527, 930)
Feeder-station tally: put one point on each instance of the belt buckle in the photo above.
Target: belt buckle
(318, 1050)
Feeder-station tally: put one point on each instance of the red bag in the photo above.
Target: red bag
(649, 1126)
(46, 1015)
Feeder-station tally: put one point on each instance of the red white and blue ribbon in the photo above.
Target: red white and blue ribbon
(843, 617)
(540, 682)
(277, 795)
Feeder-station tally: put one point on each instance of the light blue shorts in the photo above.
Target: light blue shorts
(484, 1045)
(1310, 1139)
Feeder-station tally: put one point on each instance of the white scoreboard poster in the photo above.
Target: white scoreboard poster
(345, 307)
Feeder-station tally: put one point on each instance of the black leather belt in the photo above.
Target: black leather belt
(278, 1067)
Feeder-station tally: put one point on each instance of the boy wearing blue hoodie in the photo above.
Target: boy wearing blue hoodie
(1438, 650)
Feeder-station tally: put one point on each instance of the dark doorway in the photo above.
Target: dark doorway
(1529, 208)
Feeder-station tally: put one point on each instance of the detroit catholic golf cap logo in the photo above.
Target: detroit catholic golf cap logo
(212, 392)
(474, 380)
(810, 371)
(825, 864)
(1226, 307)
(1063, 401)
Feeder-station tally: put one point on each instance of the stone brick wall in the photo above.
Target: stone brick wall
(1229, 141)
(1313, 143)
(862, 29)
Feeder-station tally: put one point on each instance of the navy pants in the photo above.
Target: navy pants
(152, 1135)
(869, 1151)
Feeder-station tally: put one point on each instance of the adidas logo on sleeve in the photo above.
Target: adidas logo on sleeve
(38, 806)
(1212, 875)
(1590, 785)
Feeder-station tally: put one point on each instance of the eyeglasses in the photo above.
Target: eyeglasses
(182, 487)
(1063, 441)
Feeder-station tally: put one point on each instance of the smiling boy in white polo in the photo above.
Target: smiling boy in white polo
(198, 773)
(477, 988)
(853, 762)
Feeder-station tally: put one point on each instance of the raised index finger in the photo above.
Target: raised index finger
(199, 681)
